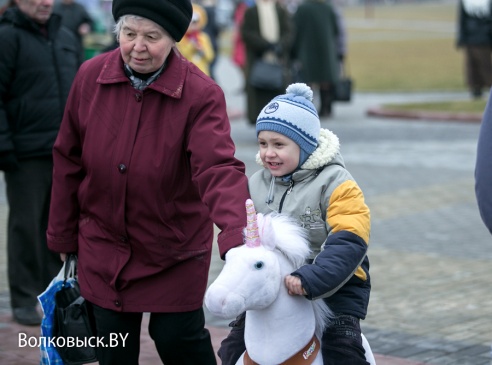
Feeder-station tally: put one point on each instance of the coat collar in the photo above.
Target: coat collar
(169, 83)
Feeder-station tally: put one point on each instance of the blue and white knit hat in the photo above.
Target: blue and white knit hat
(293, 115)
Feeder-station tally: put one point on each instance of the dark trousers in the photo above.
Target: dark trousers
(180, 338)
(31, 266)
(478, 67)
(341, 343)
(326, 96)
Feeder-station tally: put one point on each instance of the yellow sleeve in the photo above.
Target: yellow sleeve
(347, 211)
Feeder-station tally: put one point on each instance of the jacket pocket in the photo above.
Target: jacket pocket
(169, 225)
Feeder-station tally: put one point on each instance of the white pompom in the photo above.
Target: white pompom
(300, 89)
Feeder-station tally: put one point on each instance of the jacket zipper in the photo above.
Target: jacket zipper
(287, 192)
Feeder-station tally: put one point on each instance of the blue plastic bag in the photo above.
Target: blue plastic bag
(49, 354)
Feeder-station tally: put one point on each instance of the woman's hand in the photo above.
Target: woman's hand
(294, 285)
(63, 257)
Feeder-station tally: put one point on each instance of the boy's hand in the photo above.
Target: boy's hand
(294, 285)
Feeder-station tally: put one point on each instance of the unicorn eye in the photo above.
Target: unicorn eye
(258, 265)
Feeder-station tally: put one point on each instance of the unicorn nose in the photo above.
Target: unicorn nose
(221, 302)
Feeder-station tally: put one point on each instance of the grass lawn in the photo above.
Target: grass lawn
(463, 106)
(404, 47)
(406, 65)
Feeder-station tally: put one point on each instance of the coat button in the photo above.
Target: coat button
(122, 168)
(117, 303)
(123, 239)
(138, 97)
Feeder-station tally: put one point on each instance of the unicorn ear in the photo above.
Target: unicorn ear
(267, 233)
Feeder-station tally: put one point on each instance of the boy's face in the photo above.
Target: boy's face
(278, 153)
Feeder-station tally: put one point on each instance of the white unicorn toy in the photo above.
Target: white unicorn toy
(279, 328)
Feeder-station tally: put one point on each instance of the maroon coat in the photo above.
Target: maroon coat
(139, 180)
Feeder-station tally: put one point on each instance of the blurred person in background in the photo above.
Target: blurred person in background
(196, 45)
(475, 37)
(316, 49)
(483, 167)
(238, 48)
(38, 62)
(76, 18)
(144, 168)
(267, 34)
(342, 34)
(213, 30)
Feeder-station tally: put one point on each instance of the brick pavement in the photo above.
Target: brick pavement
(12, 354)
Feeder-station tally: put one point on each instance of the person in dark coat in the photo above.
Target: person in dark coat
(475, 37)
(315, 49)
(38, 62)
(76, 18)
(483, 167)
(267, 34)
(144, 168)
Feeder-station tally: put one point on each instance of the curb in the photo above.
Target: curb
(423, 115)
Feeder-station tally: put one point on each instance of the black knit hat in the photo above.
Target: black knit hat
(173, 15)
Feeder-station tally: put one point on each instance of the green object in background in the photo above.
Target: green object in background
(94, 43)
(91, 52)
(457, 106)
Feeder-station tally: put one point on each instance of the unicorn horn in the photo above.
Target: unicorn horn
(252, 234)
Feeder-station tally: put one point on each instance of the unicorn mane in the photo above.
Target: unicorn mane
(281, 232)
(284, 233)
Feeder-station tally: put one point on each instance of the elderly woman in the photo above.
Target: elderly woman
(144, 167)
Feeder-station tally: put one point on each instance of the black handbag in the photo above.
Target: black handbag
(343, 88)
(73, 321)
(267, 75)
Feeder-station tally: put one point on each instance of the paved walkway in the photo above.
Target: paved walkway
(430, 254)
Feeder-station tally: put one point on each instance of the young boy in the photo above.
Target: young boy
(304, 176)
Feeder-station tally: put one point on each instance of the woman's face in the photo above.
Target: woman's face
(144, 45)
(278, 153)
